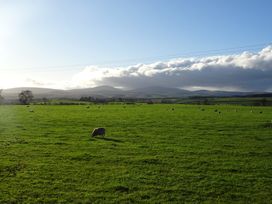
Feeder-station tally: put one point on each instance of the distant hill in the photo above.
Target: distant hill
(220, 93)
(12, 94)
(158, 92)
(100, 91)
(108, 91)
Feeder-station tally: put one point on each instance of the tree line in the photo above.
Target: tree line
(26, 97)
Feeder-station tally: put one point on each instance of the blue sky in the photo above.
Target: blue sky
(45, 39)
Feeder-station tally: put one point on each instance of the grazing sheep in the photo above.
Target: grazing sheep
(99, 131)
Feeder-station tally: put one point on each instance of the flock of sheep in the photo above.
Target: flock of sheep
(102, 131)
(219, 112)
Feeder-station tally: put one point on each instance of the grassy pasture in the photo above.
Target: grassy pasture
(151, 153)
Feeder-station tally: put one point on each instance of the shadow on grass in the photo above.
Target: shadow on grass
(268, 124)
(108, 139)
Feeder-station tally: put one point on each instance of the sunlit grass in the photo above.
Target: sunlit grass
(152, 153)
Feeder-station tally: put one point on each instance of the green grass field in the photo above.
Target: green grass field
(151, 154)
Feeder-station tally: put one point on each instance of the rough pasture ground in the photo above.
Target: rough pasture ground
(150, 153)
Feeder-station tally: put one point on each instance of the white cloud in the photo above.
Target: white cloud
(246, 71)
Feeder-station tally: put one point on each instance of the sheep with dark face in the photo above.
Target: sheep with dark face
(99, 131)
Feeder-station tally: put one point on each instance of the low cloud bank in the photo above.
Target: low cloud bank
(247, 71)
(244, 72)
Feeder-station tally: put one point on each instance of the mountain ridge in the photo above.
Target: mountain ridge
(108, 91)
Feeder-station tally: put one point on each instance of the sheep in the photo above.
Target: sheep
(99, 131)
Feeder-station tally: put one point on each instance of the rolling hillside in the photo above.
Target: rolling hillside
(108, 91)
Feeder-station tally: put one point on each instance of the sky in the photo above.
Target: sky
(192, 44)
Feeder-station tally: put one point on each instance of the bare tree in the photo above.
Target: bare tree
(263, 102)
(25, 97)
